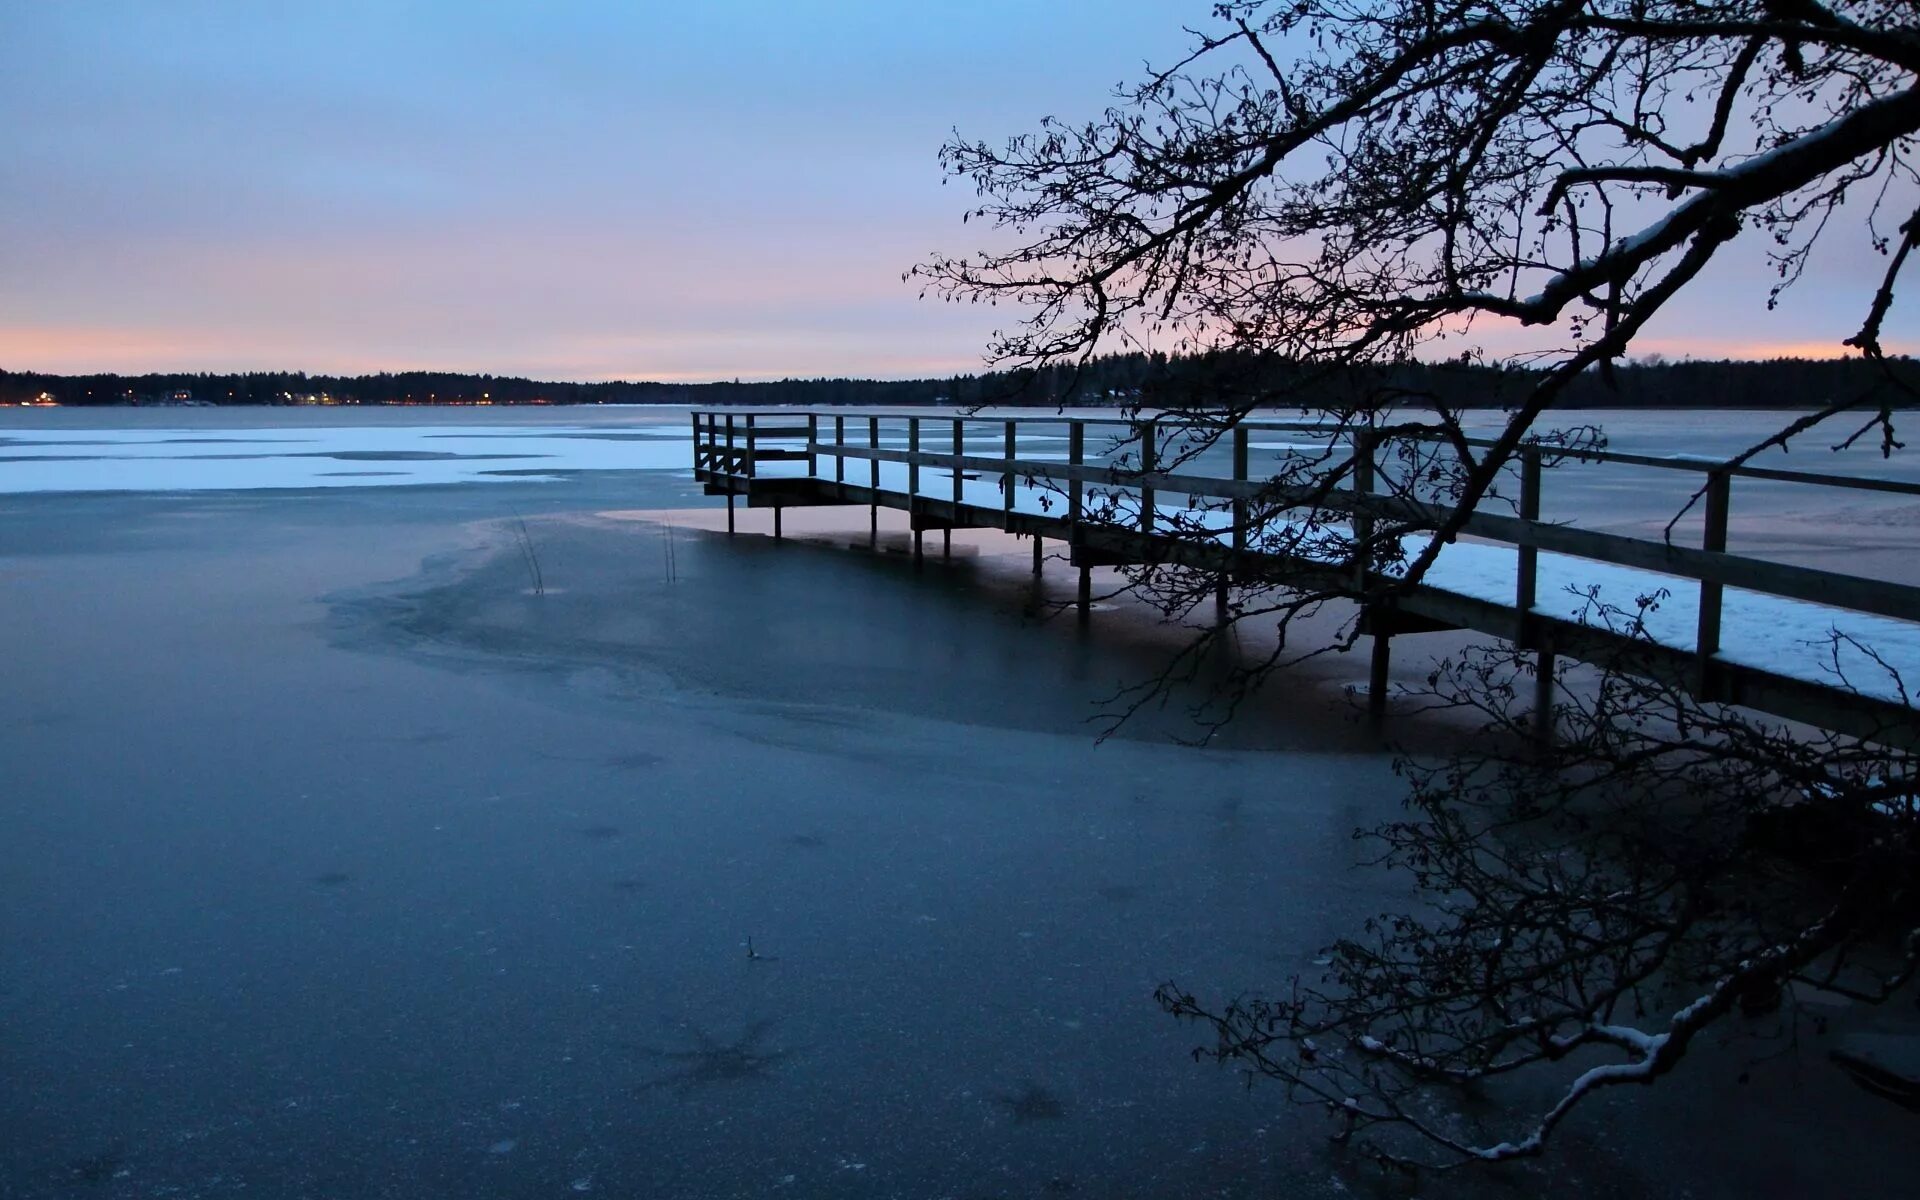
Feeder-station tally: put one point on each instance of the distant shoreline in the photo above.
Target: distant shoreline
(1742, 405)
(1120, 380)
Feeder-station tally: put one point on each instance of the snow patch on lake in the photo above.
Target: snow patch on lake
(144, 460)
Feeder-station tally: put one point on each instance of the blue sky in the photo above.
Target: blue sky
(578, 191)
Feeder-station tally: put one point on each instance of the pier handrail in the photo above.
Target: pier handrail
(1696, 464)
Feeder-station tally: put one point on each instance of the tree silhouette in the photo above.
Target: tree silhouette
(1325, 203)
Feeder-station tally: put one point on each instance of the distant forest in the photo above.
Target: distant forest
(1116, 379)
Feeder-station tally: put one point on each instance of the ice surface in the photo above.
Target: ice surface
(1788, 636)
(340, 909)
(138, 460)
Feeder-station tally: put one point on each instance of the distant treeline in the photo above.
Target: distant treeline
(1115, 379)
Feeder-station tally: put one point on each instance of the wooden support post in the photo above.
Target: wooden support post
(959, 485)
(777, 510)
(1363, 445)
(813, 439)
(1241, 518)
(913, 462)
(1543, 688)
(1377, 674)
(1526, 588)
(913, 490)
(732, 465)
(873, 483)
(1240, 472)
(1008, 480)
(1148, 433)
(1039, 552)
(959, 475)
(729, 514)
(1713, 539)
(752, 447)
(840, 443)
(1076, 456)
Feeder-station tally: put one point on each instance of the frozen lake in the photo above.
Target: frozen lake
(69, 450)
(337, 862)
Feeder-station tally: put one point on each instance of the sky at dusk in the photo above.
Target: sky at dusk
(572, 191)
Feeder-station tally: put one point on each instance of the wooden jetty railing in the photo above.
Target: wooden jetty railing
(787, 458)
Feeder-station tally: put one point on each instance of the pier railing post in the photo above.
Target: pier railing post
(959, 449)
(1527, 582)
(1713, 539)
(1076, 487)
(1007, 476)
(813, 439)
(913, 490)
(959, 485)
(1008, 481)
(1076, 458)
(913, 461)
(1148, 432)
(873, 484)
(1378, 668)
(1526, 593)
(733, 468)
(1240, 520)
(840, 446)
(1363, 449)
(753, 467)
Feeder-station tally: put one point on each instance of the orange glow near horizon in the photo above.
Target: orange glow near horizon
(79, 350)
(1758, 351)
(83, 350)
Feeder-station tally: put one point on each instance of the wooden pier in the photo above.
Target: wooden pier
(970, 472)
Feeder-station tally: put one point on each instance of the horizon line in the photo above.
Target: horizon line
(1795, 354)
